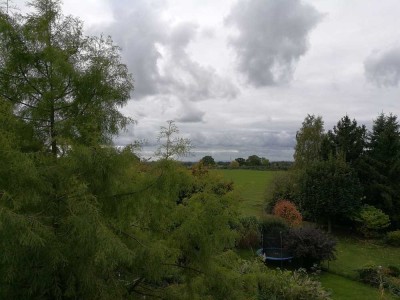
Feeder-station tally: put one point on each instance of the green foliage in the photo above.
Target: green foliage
(208, 160)
(272, 226)
(310, 245)
(380, 168)
(253, 160)
(286, 285)
(68, 87)
(241, 161)
(329, 189)
(393, 238)
(371, 220)
(347, 139)
(234, 164)
(284, 186)
(249, 232)
(172, 146)
(381, 277)
(309, 141)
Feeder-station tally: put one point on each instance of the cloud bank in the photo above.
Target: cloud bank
(271, 37)
(156, 51)
(383, 68)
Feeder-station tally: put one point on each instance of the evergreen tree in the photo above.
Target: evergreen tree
(66, 85)
(380, 168)
(347, 139)
(329, 189)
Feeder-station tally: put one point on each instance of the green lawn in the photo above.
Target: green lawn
(353, 254)
(251, 185)
(344, 288)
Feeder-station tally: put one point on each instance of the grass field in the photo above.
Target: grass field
(251, 185)
(352, 254)
(344, 288)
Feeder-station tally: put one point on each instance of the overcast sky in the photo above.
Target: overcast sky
(239, 77)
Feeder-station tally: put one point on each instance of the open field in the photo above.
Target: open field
(251, 185)
(352, 254)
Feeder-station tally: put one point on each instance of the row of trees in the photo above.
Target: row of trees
(251, 161)
(339, 170)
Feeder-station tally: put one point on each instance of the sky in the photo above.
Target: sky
(239, 77)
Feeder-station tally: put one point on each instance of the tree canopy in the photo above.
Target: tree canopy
(309, 141)
(66, 85)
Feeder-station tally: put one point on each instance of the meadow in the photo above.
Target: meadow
(352, 253)
(251, 186)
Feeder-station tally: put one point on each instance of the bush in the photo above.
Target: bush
(249, 233)
(371, 221)
(284, 186)
(381, 277)
(287, 211)
(263, 283)
(310, 245)
(393, 238)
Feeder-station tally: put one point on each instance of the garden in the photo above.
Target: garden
(357, 265)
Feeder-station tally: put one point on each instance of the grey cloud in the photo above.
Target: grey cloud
(187, 78)
(189, 114)
(383, 68)
(272, 36)
(156, 54)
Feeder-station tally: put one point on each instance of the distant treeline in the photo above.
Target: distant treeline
(272, 166)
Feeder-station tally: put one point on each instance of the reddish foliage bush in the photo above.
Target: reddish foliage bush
(288, 211)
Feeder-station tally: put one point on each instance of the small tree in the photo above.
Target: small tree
(287, 211)
(208, 160)
(241, 161)
(172, 146)
(234, 164)
(253, 160)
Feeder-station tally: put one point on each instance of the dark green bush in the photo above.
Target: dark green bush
(310, 245)
(393, 238)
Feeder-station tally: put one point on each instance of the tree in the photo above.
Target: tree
(309, 141)
(208, 160)
(264, 161)
(328, 190)
(241, 161)
(253, 160)
(380, 168)
(66, 85)
(172, 146)
(348, 139)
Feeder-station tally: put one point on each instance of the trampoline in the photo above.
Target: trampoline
(272, 249)
(277, 254)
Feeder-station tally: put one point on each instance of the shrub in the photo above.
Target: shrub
(287, 211)
(371, 220)
(310, 245)
(263, 283)
(393, 238)
(377, 276)
(283, 186)
(249, 233)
